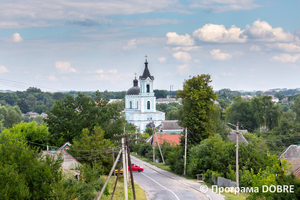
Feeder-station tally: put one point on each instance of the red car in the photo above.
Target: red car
(135, 167)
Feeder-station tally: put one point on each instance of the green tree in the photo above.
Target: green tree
(31, 100)
(10, 115)
(58, 96)
(296, 108)
(198, 106)
(89, 145)
(34, 172)
(68, 117)
(23, 105)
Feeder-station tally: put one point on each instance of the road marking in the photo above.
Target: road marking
(161, 185)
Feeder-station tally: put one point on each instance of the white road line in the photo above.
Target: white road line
(161, 185)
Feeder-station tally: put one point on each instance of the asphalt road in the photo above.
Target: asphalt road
(158, 186)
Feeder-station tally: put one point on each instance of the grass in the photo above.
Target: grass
(119, 193)
(228, 196)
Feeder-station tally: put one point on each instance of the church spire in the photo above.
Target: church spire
(146, 72)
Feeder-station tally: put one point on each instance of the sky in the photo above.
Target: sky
(62, 45)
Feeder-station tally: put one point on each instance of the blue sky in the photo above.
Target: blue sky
(99, 45)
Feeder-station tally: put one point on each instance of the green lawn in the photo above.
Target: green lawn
(119, 193)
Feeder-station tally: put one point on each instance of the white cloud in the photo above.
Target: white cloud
(228, 74)
(218, 6)
(52, 78)
(162, 60)
(179, 40)
(291, 47)
(197, 61)
(182, 56)
(16, 38)
(195, 48)
(64, 67)
(99, 71)
(285, 58)
(183, 69)
(3, 69)
(262, 31)
(254, 48)
(113, 71)
(217, 55)
(130, 45)
(218, 33)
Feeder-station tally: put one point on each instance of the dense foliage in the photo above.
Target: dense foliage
(197, 106)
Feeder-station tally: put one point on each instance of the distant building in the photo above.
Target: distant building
(168, 100)
(170, 126)
(232, 136)
(247, 97)
(140, 102)
(172, 139)
(292, 156)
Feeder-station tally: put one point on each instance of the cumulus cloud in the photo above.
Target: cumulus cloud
(52, 78)
(3, 69)
(64, 67)
(16, 38)
(218, 33)
(99, 71)
(162, 60)
(113, 71)
(86, 22)
(182, 69)
(254, 48)
(182, 56)
(130, 45)
(179, 40)
(195, 48)
(285, 58)
(217, 55)
(263, 31)
(287, 47)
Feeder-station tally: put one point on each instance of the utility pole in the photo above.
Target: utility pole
(124, 168)
(237, 156)
(153, 142)
(185, 147)
(126, 151)
(159, 149)
(113, 157)
(99, 194)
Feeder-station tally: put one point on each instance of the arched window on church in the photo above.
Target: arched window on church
(148, 88)
(130, 104)
(148, 105)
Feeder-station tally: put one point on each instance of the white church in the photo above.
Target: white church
(140, 102)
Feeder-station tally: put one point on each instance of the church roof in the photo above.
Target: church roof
(146, 73)
(135, 90)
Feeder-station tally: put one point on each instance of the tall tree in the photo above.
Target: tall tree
(23, 105)
(198, 106)
(69, 116)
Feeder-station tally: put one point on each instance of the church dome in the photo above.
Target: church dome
(135, 90)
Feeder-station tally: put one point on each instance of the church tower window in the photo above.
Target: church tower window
(148, 88)
(148, 105)
(130, 104)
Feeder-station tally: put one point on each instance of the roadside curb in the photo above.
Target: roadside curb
(160, 171)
